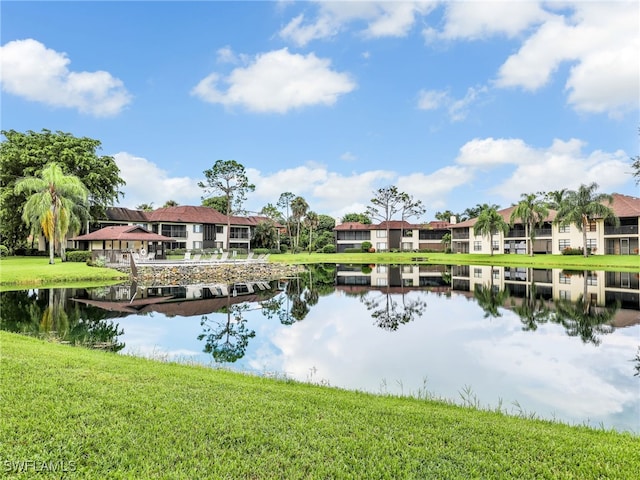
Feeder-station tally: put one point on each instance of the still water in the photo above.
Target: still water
(553, 344)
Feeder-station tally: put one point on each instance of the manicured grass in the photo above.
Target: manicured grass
(111, 416)
(36, 271)
(594, 262)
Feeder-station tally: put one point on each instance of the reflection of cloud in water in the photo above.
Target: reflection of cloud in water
(546, 371)
(556, 371)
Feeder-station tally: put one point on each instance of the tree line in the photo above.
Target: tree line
(55, 184)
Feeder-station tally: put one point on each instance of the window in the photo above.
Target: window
(197, 229)
(219, 229)
(564, 229)
(477, 273)
(381, 246)
(565, 295)
(592, 244)
(381, 234)
(496, 273)
(495, 244)
(592, 226)
(381, 282)
(407, 246)
(175, 231)
(477, 246)
(381, 269)
(197, 245)
(564, 278)
(562, 244)
(592, 279)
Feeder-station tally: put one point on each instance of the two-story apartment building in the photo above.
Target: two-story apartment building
(188, 227)
(602, 237)
(402, 236)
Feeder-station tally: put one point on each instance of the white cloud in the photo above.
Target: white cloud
(37, 73)
(137, 172)
(562, 165)
(603, 42)
(277, 81)
(478, 20)
(348, 157)
(383, 19)
(458, 109)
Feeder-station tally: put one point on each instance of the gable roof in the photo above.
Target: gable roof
(124, 233)
(121, 214)
(187, 214)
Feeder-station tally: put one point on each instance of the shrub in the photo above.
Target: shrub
(78, 256)
(262, 251)
(329, 249)
(352, 250)
(366, 246)
(366, 269)
(4, 251)
(572, 251)
(284, 248)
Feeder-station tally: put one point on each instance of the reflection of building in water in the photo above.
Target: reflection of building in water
(172, 300)
(598, 287)
(433, 276)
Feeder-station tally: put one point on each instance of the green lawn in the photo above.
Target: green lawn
(594, 262)
(36, 271)
(104, 415)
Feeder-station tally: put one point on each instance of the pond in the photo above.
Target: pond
(553, 344)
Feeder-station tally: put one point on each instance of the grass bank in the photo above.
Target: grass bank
(102, 415)
(36, 271)
(594, 262)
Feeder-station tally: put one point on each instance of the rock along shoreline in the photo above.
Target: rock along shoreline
(190, 273)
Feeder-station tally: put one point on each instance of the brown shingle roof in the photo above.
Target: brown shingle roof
(121, 214)
(505, 213)
(125, 233)
(625, 205)
(187, 214)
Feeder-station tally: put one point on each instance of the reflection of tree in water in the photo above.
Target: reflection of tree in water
(388, 313)
(227, 341)
(582, 318)
(300, 294)
(533, 310)
(637, 365)
(48, 312)
(490, 298)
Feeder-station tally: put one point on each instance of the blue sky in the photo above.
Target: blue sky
(456, 103)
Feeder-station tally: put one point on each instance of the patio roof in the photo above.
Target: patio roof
(124, 233)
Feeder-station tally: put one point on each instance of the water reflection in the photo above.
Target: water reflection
(516, 333)
(49, 313)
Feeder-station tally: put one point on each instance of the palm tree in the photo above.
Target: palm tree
(532, 212)
(299, 207)
(582, 206)
(311, 221)
(488, 222)
(53, 203)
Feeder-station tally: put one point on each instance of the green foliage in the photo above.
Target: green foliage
(352, 250)
(329, 249)
(531, 211)
(218, 203)
(78, 256)
(27, 154)
(4, 251)
(356, 217)
(572, 251)
(490, 221)
(365, 246)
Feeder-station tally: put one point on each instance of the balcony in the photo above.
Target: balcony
(543, 232)
(621, 230)
(460, 235)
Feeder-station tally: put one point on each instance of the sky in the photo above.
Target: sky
(455, 103)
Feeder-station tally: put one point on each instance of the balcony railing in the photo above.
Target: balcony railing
(543, 232)
(460, 235)
(515, 234)
(621, 230)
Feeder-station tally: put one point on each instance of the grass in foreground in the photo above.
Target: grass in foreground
(36, 271)
(111, 416)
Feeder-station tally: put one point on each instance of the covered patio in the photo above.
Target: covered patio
(117, 244)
